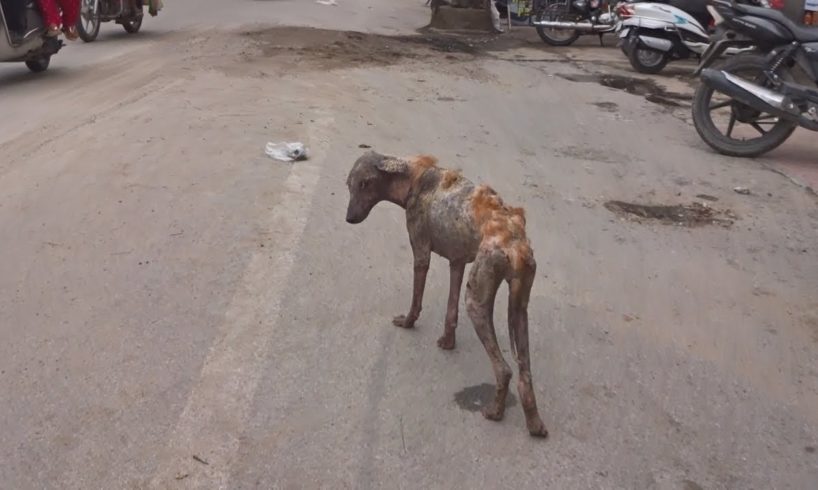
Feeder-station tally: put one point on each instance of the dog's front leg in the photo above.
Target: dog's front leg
(456, 270)
(422, 258)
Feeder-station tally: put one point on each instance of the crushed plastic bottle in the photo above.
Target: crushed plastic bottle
(286, 152)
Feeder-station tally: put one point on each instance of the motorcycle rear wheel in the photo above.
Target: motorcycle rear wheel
(133, 25)
(768, 131)
(645, 60)
(557, 11)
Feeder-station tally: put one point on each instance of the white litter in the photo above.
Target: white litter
(286, 152)
(327, 2)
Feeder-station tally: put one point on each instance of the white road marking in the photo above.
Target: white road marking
(218, 408)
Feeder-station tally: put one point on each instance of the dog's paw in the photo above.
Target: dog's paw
(537, 429)
(446, 342)
(403, 321)
(493, 412)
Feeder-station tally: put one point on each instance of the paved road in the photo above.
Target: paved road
(179, 311)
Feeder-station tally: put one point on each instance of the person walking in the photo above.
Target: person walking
(56, 12)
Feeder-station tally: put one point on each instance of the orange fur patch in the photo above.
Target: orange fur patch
(501, 225)
(419, 164)
(449, 178)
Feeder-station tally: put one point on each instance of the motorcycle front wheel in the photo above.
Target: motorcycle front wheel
(747, 132)
(88, 22)
(557, 12)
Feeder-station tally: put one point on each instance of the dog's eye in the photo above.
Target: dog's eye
(363, 184)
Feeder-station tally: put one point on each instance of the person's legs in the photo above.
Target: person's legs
(70, 15)
(51, 16)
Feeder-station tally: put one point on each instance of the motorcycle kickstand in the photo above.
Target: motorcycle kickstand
(601, 44)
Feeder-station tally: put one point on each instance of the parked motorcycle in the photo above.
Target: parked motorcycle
(561, 22)
(653, 34)
(127, 13)
(22, 36)
(768, 94)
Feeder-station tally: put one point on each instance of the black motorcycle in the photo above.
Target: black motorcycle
(561, 22)
(759, 98)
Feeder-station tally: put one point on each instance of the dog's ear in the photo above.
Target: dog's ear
(392, 165)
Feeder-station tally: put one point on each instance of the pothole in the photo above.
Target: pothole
(691, 215)
(649, 89)
(474, 398)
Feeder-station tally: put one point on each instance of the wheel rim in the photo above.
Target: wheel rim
(88, 15)
(736, 121)
(558, 12)
(649, 57)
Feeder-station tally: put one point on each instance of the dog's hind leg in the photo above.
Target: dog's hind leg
(519, 291)
(481, 291)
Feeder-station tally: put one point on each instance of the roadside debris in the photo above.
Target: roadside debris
(707, 197)
(741, 190)
(199, 460)
(364, 145)
(286, 152)
(327, 2)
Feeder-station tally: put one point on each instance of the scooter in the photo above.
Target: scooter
(22, 36)
(653, 34)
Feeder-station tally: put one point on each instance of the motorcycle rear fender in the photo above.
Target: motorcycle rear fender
(807, 58)
(657, 43)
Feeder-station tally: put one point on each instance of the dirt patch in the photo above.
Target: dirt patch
(692, 215)
(650, 90)
(474, 398)
(607, 106)
(330, 49)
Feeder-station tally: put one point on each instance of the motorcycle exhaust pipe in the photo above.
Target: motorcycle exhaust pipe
(747, 93)
(756, 96)
(579, 26)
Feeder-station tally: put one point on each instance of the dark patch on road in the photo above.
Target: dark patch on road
(607, 106)
(692, 215)
(649, 89)
(474, 398)
(344, 49)
(810, 449)
(707, 197)
(691, 485)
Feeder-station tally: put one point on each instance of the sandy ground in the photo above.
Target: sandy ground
(180, 311)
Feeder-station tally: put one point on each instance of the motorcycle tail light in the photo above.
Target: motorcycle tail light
(777, 4)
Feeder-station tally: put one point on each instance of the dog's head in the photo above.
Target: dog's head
(369, 183)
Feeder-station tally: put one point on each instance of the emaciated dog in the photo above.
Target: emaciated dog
(449, 215)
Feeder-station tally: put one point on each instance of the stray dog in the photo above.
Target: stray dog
(449, 215)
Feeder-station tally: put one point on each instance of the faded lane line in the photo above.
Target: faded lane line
(219, 404)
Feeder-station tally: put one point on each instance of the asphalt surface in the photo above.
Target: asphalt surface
(180, 311)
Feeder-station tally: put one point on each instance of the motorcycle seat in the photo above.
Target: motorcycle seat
(802, 33)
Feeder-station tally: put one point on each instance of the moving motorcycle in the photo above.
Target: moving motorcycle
(561, 22)
(127, 13)
(767, 94)
(22, 36)
(653, 34)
